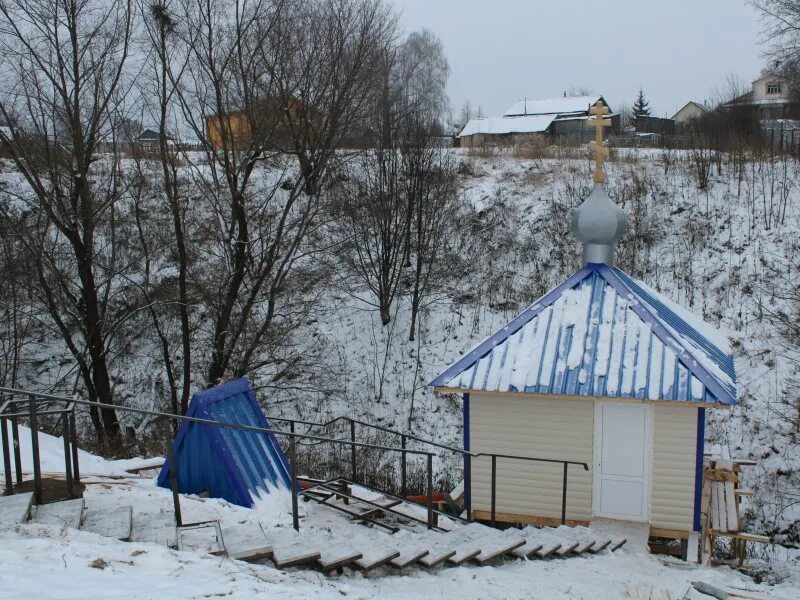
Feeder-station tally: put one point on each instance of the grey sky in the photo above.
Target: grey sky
(504, 50)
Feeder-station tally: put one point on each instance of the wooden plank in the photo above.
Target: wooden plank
(376, 556)
(335, 556)
(67, 512)
(528, 549)
(744, 493)
(409, 554)
(246, 542)
(500, 545)
(717, 502)
(436, 556)
(16, 508)
(294, 555)
(115, 523)
(204, 538)
(722, 475)
(730, 507)
(501, 517)
(600, 540)
(748, 537)
(678, 534)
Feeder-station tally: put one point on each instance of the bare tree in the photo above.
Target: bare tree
(372, 213)
(165, 70)
(62, 90)
(781, 27)
(430, 187)
(267, 82)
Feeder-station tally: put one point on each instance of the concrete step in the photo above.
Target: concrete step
(155, 528)
(15, 509)
(115, 523)
(66, 512)
(204, 538)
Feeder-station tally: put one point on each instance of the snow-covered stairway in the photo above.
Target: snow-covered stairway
(346, 544)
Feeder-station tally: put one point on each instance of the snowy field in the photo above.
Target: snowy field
(51, 563)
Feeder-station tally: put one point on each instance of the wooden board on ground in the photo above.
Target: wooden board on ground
(15, 509)
(246, 542)
(115, 523)
(335, 556)
(409, 553)
(376, 556)
(494, 543)
(205, 538)
(156, 528)
(528, 549)
(67, 512)
(290, 549)
(438, 549)
(585, 540)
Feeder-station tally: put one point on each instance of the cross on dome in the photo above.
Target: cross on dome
(599, 111)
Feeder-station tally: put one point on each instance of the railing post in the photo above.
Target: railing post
(564, 497)
(403, 491)
(430, 490)
(15, 443)
(7, 459)
(73, 436)
(67, 454)
(173, 482)
(293, 475)
(494, 488)
(353, 450)
(37, 470)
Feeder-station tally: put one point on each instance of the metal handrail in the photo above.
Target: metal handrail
(292, 435)
(467, 454)
(352, 443)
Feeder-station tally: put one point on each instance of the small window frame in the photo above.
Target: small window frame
(774, 88)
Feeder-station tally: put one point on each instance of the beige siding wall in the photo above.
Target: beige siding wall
(543, 428)
(674, 456)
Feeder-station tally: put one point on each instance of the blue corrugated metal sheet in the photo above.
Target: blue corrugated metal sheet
(227, 463)
(601, 333)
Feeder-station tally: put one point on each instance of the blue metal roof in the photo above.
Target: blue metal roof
(234, 464)
(602, 333)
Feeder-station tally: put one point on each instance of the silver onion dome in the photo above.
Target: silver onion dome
(598, 223)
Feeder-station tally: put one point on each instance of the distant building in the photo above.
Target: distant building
(769, 99)
(691, 111)
(535, 119)
(648, 124)
(150, 137)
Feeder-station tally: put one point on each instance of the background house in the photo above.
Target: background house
(769, 99)
(530, 120)
(691, 111)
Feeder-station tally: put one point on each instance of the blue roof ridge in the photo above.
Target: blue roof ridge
(696, 368)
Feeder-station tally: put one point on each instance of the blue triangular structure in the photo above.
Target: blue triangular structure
(237, 465)
(601, 333)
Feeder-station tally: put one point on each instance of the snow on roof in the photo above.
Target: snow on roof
(552, 106)
(602, 333)
(504, 125)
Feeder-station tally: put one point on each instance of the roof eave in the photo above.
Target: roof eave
(660, 401)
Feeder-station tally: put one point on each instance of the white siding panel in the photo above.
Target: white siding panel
(559, 429)
(674, 459)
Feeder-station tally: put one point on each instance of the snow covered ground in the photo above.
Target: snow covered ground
(52, 563)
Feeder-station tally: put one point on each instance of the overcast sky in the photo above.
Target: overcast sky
(503, 50)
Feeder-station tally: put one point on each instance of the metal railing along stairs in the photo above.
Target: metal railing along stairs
(16, 404)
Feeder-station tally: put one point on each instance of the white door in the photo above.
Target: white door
(622, 460)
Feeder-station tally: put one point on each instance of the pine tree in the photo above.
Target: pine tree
(641, 107)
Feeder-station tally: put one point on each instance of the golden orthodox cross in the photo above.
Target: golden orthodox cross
(599, 111)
